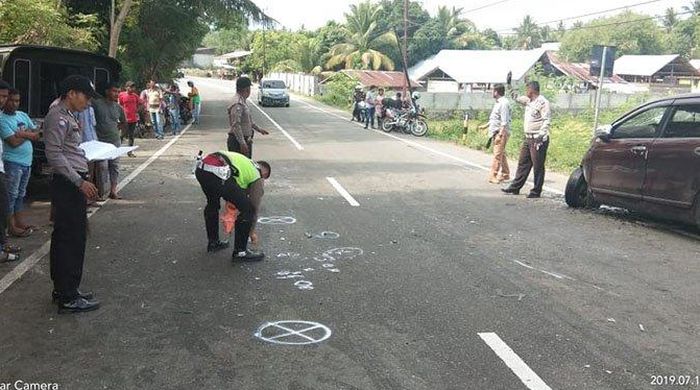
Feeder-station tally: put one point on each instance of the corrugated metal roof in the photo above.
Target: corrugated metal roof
(695, 63)
(642, 65)
(479, 66)
(581, 71)
(379, 78)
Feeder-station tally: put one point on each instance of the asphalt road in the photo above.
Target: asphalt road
(431, 280)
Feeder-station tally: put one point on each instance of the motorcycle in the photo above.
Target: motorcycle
(408, 121)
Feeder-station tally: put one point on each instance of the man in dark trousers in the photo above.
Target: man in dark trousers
(70, 190)
(239, 180)
(240, 135)
(533, 152)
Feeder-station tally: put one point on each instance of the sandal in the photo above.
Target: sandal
(8, 257)
(115, 197)
(9, 248)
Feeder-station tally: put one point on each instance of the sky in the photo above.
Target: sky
(502, 17)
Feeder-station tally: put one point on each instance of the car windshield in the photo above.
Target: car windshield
(274, 84)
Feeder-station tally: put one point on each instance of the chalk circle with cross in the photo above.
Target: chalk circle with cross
(277, 220)
(293, 332)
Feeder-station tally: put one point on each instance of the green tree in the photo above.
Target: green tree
(390, 18)
(44, 22)
(528, 34)
(227, 40)
(670, 19)
(361, 48)
(630, 32)
(694, 7)
(683, 39)
(328, 36)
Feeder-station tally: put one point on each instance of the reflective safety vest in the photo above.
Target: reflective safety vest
(243, 169)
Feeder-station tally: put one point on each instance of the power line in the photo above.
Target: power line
(485, 6)
(610, 24)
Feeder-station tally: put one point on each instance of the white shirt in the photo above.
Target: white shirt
(500, 116)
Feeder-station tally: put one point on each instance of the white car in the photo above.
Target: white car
(273, 93)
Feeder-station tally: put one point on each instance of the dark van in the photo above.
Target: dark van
(36, 72)
(647, 161)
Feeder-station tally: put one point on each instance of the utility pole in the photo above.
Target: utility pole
(405, 44)
(599, 93)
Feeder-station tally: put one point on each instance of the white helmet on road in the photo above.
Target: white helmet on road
(415, 95)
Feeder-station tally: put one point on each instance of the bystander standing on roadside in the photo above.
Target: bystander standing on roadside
(8, 252)
(172, 102)
(70, 191)
(110, 120)
(130, 102)
(87, 121)
(241, 131)
(196, 102)
(370, 102)
(381, 110)
(155, 99)
(533, 152)
(17, 135)
(499, 132)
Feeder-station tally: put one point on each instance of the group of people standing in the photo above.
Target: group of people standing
(374, 103)
(533, 152)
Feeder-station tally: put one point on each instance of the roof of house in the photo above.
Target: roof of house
(236, 54)
(205, 50)
(695, 63)
(379, 78)
(580, 71)
(648, 65)
(479, 66)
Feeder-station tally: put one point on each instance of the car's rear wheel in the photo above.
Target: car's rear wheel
(577, 194)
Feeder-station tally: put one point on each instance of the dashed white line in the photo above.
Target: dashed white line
(20, 269)
(514, 362)
(345, 194)
(427, 148)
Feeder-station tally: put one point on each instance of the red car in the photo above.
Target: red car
(647, 161)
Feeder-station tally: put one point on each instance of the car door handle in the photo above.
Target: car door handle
(638, 149)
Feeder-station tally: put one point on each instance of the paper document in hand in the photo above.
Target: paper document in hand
(96, 150)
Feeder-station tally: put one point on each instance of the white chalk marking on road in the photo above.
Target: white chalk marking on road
(426, 148)
(20, 269)
(523, 264)
(344, 253)
(304, 285)
(289, 334)
(286, 134)
(514, 362)
(277, 220)
(343, 192)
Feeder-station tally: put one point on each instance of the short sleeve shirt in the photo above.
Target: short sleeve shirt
(130, 104)
(9, 125)
(109, 115)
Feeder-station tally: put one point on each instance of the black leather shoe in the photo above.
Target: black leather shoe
(85, 295)
(217, 246)
(533, 195)
(248, 255)
(78, 305)
(510, 191)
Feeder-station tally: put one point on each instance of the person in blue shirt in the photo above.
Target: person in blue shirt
(15, 131)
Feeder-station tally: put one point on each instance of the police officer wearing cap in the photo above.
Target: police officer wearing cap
(240, 135)
(70, 191)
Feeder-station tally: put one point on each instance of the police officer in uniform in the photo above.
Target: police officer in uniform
(70, 190)
(239, 180)
(240, 135)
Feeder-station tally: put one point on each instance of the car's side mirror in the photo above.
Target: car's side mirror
(604, 133)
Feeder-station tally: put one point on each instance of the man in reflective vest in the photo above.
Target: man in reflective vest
(239, 180)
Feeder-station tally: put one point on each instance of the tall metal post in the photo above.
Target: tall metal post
(599, 93)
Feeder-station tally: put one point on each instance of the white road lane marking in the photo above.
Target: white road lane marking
(426, 148)
(514, 362)
(342, 191)
(20, 269)
(286, 134)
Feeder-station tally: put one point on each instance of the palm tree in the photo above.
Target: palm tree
(694, 7)
(670, 19)
(529, 34)
(307, 53)
(363, 41)
(459, 32)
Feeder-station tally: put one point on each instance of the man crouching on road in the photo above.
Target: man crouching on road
(238, 180)
(70, 188)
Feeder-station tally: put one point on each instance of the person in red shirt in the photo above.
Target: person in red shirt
(130, 101)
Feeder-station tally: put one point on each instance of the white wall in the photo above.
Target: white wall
(203, 60)
(303, 84)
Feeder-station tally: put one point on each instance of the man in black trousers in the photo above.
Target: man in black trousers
(70, 191)
(533, 152)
